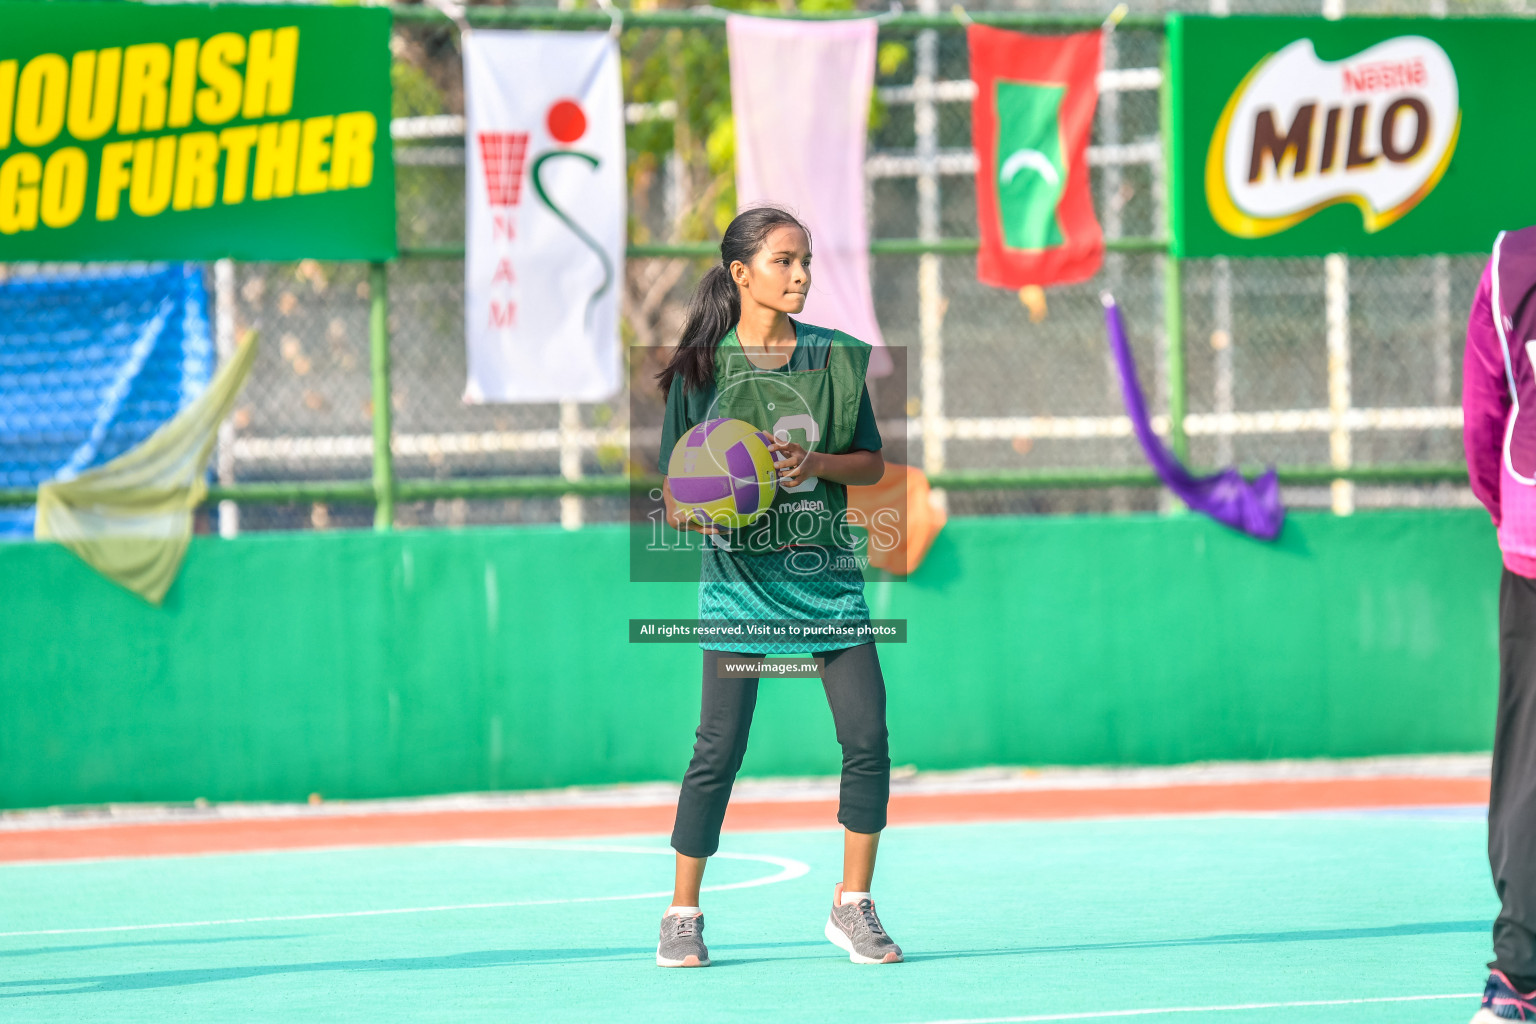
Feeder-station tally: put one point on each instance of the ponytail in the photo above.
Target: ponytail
(716, 303)
(712, 312)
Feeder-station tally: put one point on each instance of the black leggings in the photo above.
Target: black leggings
(856, 693)
(1512, 804)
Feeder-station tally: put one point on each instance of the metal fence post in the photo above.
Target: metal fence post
(1173, 290)
(1340, 388)
(224, 345)
(1222, 342)
(570, 463)
(1173, 326)
(378, 360)
(930, 287)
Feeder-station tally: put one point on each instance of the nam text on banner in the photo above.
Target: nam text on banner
(1029, 123)
(800, 96)
(544, 238)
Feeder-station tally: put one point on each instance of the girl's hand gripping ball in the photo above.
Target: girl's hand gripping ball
(795, 464)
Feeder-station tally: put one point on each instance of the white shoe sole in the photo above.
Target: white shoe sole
(835, 936)
(688, 961)
(1484, 1016)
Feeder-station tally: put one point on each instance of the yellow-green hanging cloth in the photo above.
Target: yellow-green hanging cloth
(131, 519)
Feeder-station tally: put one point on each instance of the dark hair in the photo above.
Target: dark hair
(716, 303)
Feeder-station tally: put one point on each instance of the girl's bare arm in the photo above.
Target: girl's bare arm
(856, 468)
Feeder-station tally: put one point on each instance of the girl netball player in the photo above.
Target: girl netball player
(742, 357)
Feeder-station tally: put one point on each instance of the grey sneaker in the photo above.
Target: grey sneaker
(854, 927)
(682, 942)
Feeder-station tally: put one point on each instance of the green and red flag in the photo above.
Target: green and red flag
(1029, 124)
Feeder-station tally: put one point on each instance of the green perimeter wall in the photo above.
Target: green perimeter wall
(369, 665)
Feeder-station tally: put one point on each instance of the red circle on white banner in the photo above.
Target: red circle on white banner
(566, 121)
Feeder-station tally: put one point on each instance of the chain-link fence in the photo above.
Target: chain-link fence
(1325, 364)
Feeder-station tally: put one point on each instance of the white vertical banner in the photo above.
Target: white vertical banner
(544, 210)
(800, 94)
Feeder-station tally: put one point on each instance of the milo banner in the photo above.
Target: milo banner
(1371, 136)
(136, 131)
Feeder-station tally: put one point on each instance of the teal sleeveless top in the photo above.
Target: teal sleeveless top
(817, 578)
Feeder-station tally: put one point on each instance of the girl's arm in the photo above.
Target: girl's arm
(1485, 400)
(856, 468)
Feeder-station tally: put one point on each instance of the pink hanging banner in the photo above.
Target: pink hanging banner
(800, 96)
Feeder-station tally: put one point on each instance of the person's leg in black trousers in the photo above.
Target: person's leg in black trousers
(856, 694)
(1512, 801)
(720, 742)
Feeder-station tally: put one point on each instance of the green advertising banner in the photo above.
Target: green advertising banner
(182, 131)
(1369, 136)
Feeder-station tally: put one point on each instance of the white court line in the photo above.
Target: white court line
(789, 869)
(1194, 1009)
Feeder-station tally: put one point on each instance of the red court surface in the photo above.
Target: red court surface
(303, 829)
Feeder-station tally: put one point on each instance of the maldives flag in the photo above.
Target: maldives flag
(1029, 124)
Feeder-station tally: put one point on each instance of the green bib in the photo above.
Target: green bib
(816, 409)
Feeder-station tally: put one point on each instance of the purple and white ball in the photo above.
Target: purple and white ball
(723, 471)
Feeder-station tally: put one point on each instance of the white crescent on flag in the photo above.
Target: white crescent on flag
(1031, 159)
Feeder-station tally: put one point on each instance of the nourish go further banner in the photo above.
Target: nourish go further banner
(1369, 136)
(183, 131)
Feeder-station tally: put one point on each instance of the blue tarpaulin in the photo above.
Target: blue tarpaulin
(91, 363)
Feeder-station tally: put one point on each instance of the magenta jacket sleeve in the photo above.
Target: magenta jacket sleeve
(1484, 398)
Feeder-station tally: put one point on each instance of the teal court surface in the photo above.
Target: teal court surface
(1283, 918)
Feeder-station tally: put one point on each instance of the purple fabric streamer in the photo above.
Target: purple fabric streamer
(1250, 506)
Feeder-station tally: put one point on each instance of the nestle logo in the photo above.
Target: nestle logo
(1386, 74)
